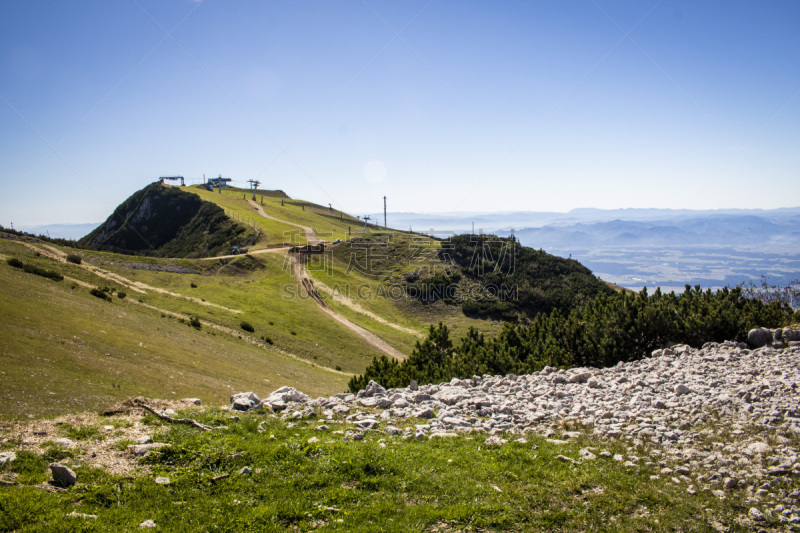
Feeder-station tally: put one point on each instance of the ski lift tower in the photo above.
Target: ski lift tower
(254, 184)
(366, 217)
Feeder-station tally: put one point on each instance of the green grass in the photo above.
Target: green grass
(328, 224)
(63, 350)
(381, 483)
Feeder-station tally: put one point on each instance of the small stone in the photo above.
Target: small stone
(245, 470)
(62, 475)
(7, 457)
(73, 514)
(368, 423)
(147, 523)
(581, 377)
(587, 455)
(681, 390)
(162, 481)
(313, 440)
(144, 449)
(755, 514)
(759, 447)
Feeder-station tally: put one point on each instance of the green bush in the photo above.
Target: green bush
(610, 329)
(195, 323)
(51, 274)
(74, 258)
(121, 294)
(247, 326)
(14, 262)
(100, 293)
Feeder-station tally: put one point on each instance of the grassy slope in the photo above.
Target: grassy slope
(63, 326)
(326, 223)
(55, 337)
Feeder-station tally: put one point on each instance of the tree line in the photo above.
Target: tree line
(609, 329)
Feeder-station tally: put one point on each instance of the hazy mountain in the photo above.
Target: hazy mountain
(61, 231)
(647, 247)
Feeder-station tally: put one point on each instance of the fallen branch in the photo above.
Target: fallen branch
(187, 421)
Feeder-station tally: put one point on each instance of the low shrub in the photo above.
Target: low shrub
(14, 262)
(51, 274)
(121, 295)
(195, 323)
(247, 326)
(74, 258)
(100, 293)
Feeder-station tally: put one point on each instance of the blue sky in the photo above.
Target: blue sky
(442, 106)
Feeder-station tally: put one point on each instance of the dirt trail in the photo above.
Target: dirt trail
(311, 235)
(360, 310)
(135, 286)
(250, 252)
(303, 279)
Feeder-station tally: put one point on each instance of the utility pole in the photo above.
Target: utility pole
(254, 184)
(384, 213)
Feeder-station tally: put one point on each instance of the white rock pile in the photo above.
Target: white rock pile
(718, 418)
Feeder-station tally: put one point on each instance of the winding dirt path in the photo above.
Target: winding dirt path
(135, 286)
(311, 235)
(305, 281)
(347, 302)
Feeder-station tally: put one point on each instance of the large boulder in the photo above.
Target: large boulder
(279, 399)
(244, 401)
(759, 337)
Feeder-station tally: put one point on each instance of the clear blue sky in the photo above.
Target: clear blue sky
(543, 105)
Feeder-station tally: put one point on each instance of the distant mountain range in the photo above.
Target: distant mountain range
(646, 247)
(461, 222)
(631, 247)
(61, 231)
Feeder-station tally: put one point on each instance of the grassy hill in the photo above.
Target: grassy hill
(206, 326)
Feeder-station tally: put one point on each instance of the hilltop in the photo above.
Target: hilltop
(164, 221)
